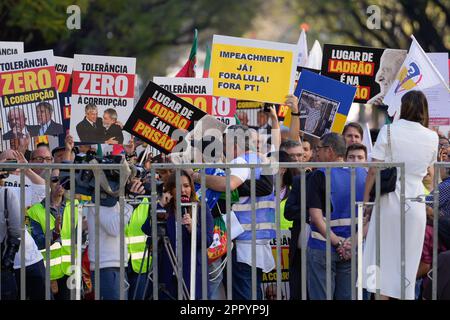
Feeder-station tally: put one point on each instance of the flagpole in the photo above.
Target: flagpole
(431, 63)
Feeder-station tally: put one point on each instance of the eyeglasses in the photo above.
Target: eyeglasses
(41, 159)
(321, 147)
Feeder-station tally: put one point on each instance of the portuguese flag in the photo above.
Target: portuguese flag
(188, 69)
(207, 62)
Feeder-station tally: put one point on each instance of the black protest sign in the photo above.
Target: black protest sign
(162, 119)
(370, 70)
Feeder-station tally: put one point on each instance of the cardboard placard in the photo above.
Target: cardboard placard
(198, 92)
(107, 83)
(64, 68)
(29, 99)
(8, 48)
(253, 70)
(162, 119)
(370, 70)
(324, 103)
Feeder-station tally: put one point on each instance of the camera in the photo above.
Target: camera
(266, 107)
(85, 179)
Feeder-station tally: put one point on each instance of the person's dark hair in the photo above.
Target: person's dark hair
(46, 105)
(336, 142)
(354, 125)
(43, 144)
(171, 185)
(415, 107)
(288, 144)
(288, 177)
(161, 158)
(356, 146)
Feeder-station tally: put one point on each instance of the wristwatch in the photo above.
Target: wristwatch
(295, 113)
(340, 243)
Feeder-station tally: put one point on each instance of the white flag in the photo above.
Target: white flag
(416, 73)
(315, 57)
(302, 49)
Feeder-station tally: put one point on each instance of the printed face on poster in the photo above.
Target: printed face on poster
(29, 99)
(252, 70)
(324, 103)
(102, 98)
(370, 70)
(162, 119)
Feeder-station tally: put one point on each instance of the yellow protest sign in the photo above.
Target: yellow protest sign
(254, 70)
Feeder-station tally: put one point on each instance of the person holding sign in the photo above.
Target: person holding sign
(44, 112)
(91, 129)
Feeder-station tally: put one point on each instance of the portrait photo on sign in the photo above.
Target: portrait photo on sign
(316, 113)
(34, 119)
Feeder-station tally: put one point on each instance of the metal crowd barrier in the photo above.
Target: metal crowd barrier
(356, 266)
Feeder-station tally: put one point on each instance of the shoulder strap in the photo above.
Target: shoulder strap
(5, 204)
(389, 142)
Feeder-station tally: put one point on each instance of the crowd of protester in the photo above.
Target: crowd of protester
(412, 143)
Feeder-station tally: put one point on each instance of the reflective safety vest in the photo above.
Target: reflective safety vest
(136, 239)
(340, 197)
(284, 223)
(264, 208)
(60, 253)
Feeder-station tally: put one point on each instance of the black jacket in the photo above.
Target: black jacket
(114, 131)
(88, 133)
(53, 129)
(292, 211)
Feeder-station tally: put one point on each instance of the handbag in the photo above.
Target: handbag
(388, 176)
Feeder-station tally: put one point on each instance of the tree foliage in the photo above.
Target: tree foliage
(145, 29)
(345, 21)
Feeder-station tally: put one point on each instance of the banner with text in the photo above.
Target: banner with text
(8, 48)
(254, 70)
(162, 119)
(102, 98)
(198, 92)
(370, 70)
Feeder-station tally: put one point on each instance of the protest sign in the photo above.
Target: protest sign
(64, 67)
(102, 98)
(29, 99)
(8, 48)
(162, 119)
(224, 109)
(253, 70)
(269, 279)
(438, 97)
(198, 92)
(287, 112)
(324, 103)
(370, 70)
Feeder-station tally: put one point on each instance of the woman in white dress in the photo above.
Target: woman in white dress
(417, 146)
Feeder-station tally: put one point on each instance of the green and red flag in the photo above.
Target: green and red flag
(188, 69)
(207, 62)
